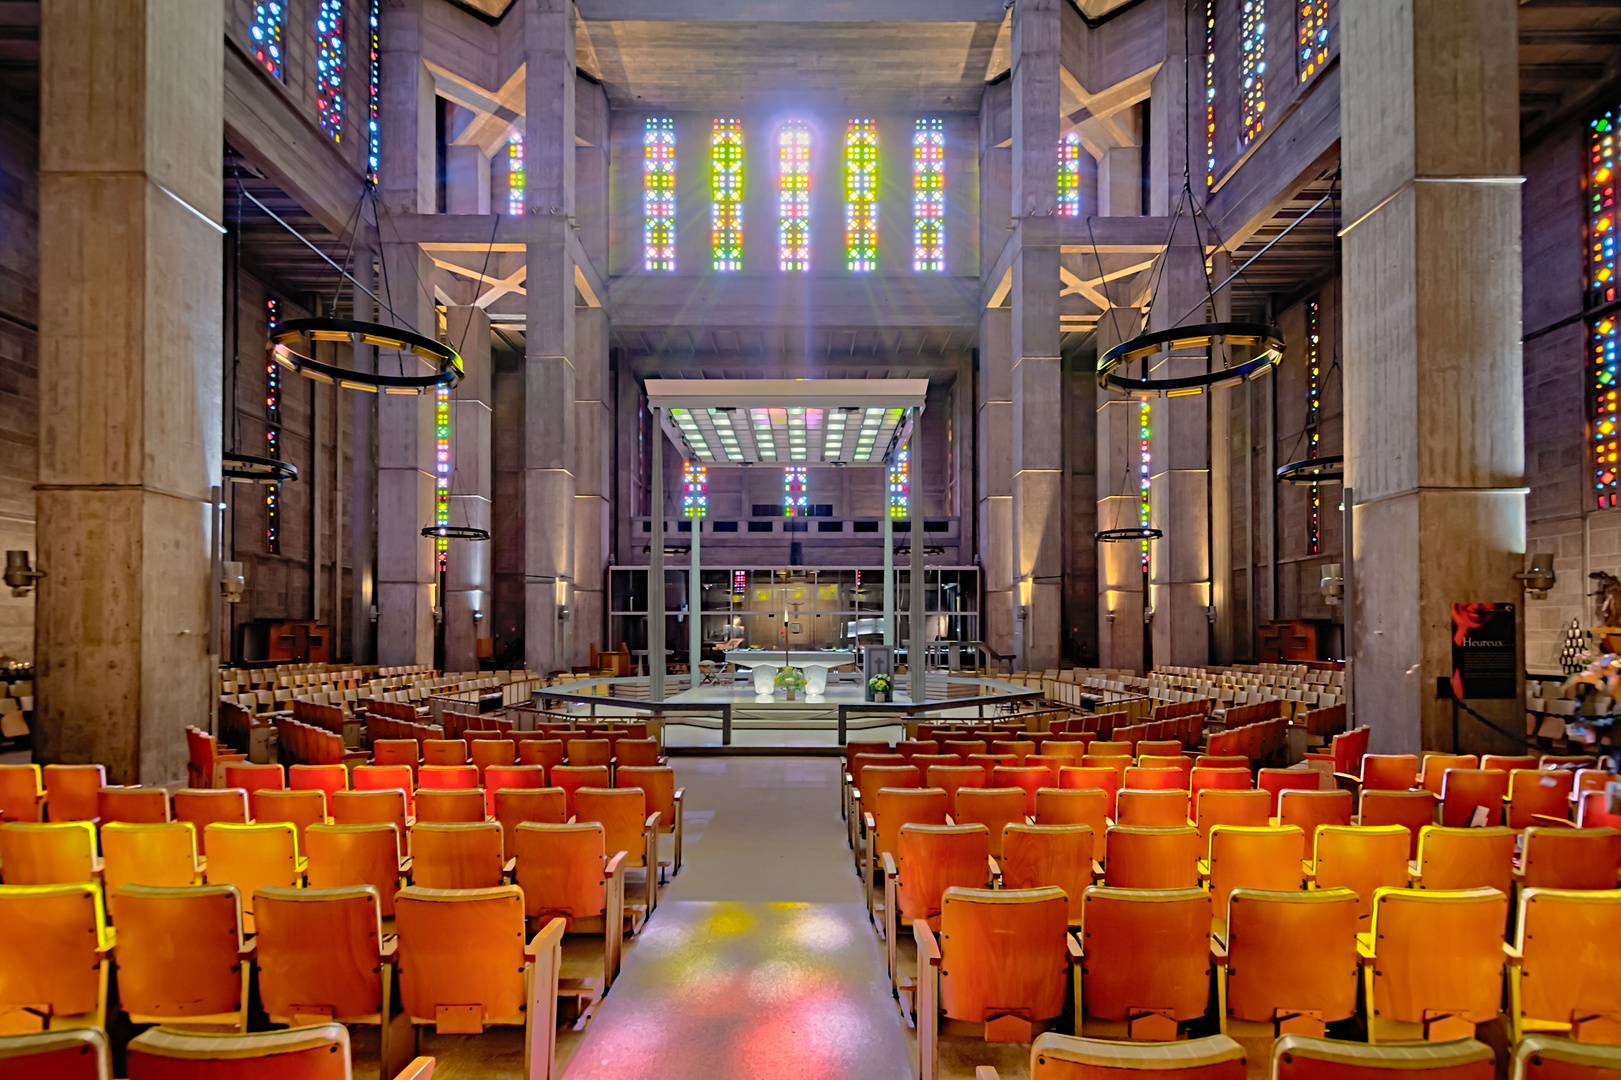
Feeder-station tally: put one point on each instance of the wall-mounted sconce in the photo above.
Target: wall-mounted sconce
(562, 600)
(1210, 614)
(1027, 588)
(233, 583)
(1148, 615)
(19, 575)
(1538, 575)
(1111, 615)
(371, 613)
(1333, 583)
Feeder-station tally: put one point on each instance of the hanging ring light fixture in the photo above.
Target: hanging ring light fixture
(1323, 470)
(296, 332)
(1135, 534)
(247, 469)
(1267, 346)
(455, 532)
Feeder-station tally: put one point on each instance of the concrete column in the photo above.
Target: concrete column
(1120, 182)
(1435, 448)
(1224, 645)
(1120, 568)
(994, 447)
(363, 482)
(469, 580)
(129, 381)
(917, 665)
(593, 482)
(549, 375)
(1037, 446)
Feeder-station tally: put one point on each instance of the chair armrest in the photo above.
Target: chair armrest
(1414, 874)
(1203, 866)
(509, 866)
(866, 819)
(680, 793)
(889, 865)
(950, 820)
(995, 870)
(389, 949)
(1072, 946)
(550, 936)
(110, 943)
(419, 1069)
(1309, 870)
(301, 865)
(1365, 946)
(249, 949)
(612, 866)
(1097, 869)
(1512, 956)
(1218, 951)
(652, 821)
(986, 1072)
(928, 946)
(405, 863)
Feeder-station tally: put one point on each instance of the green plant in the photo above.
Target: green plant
(880, 684)
(790, 678)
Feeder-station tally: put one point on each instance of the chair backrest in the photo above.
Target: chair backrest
(622, 813)
(1434, 768)
(510, 777)
(573, 777)
(1301, 1057)
(1003, 952)
(1362, 859)
(178, 950)
(1270, 974)
(961, 747)
(462, 947)
(1556, 858)
(347, 856)
(1066, 1057)
(455, 855)
(1563, 978)
(48, 951)
(386, 778)
(1389, 772)
(300, 809)
(1557, 1057)
(252, 779)
(207, 806)
(514, 806)
(589, 752)
(1438, 952)
(72, 791)
(1034, 856)
(1265, 857)
(1151, 779)
(1202, 777)
(317, 952)
(1508, 762)
(1089, 778)
(560, 869)
(64, 1054)
(1349, 748)
(251, 857)
(160, 853)
(658, 788)
(145, 805)
(994, 808)
(317, 1052)
(953, 778)
(1151, 809)
(1535, 796)
(1026, 779)
(1311, 809)
(327, 778)
(1278, 781)
(543, 752)
(1078, 806)
(892, 808)
(444, 752)
(386, 807)
(874, 777)
(1122, 926)
(1221, 761)
(438, 805)
(638, 753)
(447, 778)
(1466, 858)
(931, 859)
(40, 853)
(1465, 790)
(396, 752)
(1225, 806)
(1411, 809)
(1018, 748)
(1153, 858)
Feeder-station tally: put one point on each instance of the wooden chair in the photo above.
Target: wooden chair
(22, 793)
(442, 806)
(1432, 965)
(1152, 858)
(637, 753)
(1223, 806)
(447, 778)
(566, 873)
(252, 857)
(627, 827)
(181, 956)
(1464, 791)
(573, 777)
(1543, 1057)
(205, 757)
(1360, 858)
(141, 805)
(1559, 983)
(386, 807)
(1412, 810)
(662, 798)
(1064, 806)
(1241, 856)
(887, 810)
(328, 778)
(1120, 996)
(515, 806)
(1508, 762)
(546, 753)
(483, 753)
(1151, 809)
(1067, 1057)
(1034, 856)
(1534, 797)
(444, 753)
(1310, 810)
(1555, 858)
(928, 860)
(588, 753)
(396, 752)
(953, 778)
(72, 792)
(1106, 780)
(317, 1052)
(253, 779)
(300, 809)
(1433, 770)
(350, 856)
(162, 854)
(208, 806)
(1301, 1057)
(48, 853)
(80, 1054)
(54, 958)
(1268, 983)
(459, 855)
(1451, 859)
(994, 808)
(463, 966)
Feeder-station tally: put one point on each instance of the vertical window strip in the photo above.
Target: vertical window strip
(1311, 21)
(1314, 400)
(272, 431)
(695, 500)
(269, 17)
(1069, 175)
(793, 196)
(329, 58)
(861, 196)
(659, 194)
(373, 95)
(794, 502)
(726, 191)
(1252, 66)
(1210, 93)
(1144, 459)
(441, 476)
(929, 196)
(1603, 330)
(515, 175)
(900, 485)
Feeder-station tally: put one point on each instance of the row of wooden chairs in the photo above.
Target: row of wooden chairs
(1257, 740)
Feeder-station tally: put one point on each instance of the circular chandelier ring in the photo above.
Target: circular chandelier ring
(247, 469)
(1132, 535)
(455, 532)
(1323, 470)
(295, 331)
(1190, 337)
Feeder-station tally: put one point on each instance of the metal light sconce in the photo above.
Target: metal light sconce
(1538, 576)
(233, 583)
(562, 601)
(19, 575)
(1333, 584)
(1027, 588)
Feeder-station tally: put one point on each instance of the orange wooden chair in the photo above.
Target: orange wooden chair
(445, 805)
(1464, 791)
(384, 778)
(387, 807)
(546, 753)
(1027, 779)
(349, 856)
(54, 957)
(162, 853)
(496, 777)
(1411, 809)
(640, 754)
(444, 753)
(300, 809)
(566, 874)
(1066, 806)
(663, 798)
(396, 752)
(1360, 858)
(181, 955)
(72, 792)
(1450, 859)
(1508, 762)
(1559, 983)
(953, 778)
(1269, 857)
(1433, 963)
(327, 778)
(1105, 780)
(459, 855)
(204, 757)
(1550, 1057)
(252, 857)
(1433, 770)
(1152, 858)
(1034, 856)
(1277, 781)
(1311, 809)
(207, 806)
(1109, 749)
(1068, 1057)
(994, 808)
(1144, 779)
(1534, 797)
(515, 806)
(48, 853)
(1120, 995)
(1221, 806)
(69, 1054)
(1152, 809)
(928, 860)
(142, 805)
(587, 753)
(1016, 748)
(571, 778)
(317, 1052)
(628, 827)
(447, 778)
(253, 779)
(1301, 1057)
(1389, 772)
(1290, 963)
(22, 793)
(1555, 858)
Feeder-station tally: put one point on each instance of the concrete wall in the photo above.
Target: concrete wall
(19, 360)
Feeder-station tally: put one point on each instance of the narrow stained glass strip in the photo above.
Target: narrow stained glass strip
(929, 196)
(659, 195)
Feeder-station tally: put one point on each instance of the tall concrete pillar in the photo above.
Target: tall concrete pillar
(363, 482)
(549, 345)
(1120, 566)
(593, 481)
(469, 584)
(1435, 449)
(1037, 445)
(994, 446)
(129, 395)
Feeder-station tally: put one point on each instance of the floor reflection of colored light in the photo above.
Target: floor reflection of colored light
(821, 931)
(732, 921)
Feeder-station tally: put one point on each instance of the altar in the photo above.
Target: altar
(763, 665)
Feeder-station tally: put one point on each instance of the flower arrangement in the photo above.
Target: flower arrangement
(790, 679)
(880, 684)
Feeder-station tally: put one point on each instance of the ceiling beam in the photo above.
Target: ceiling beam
(793, 11)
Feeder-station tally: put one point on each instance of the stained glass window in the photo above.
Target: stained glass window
(695, 500)
(441, 475)
(1069, 175)
(658, 199)
(1144, 459)
(272, 431)
(861, 195)
(1311, 20)
(793, 196)
(515, 175)
(1210, 92)
(266, 32)
(329, 57)
(1603, 331)
(794, 502)
(900, 485)
(929, 196)
(373, 95)
(1314, 401)
(726, 189)
(1252, 67)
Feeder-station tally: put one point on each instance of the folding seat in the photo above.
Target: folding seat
(204, 807)
(252, 778)
(1508, 762)
(1579, 761)
(1153, 858)
(1220, 806)
(383, 807)
(1067, 1057)
(440, 806)
(1028, 780)
(1301, 1057)
(180, 955)
(383, 778)
(1015, 748)
(1141, 779)
(662, 798)
(80, 1054)
(1433, 963)
(22, 793)
(1537, 797)
(396, 752)
(627, 826)
(1555, 858)
(1389, 772)
(546, 753)
(1085, 779)
(1592, 812)
(1152, 809)
(1348, 749)
(1034, 856)
(585, 753)
(952, 778)
(1559, 983)
(1412, 809)
(1001, 960)
(994, 808)
(1123, 997)
(1360, 858)
(886, 811)
(1464, 859)
(1544, 1057)
(456, 855)
(1289, 965)
(316, 1052)
(53, 957)
(1277, 781)
(41, 853)
(447, 778)
(160, 853)
(1310, 809)
(926, 861)
(1433, 770)
(322, 957)
(640, 753)
(1464, 791)
(71, 792)
(463, 966)
(573, 777)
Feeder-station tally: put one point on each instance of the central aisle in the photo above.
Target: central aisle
(760, 961)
